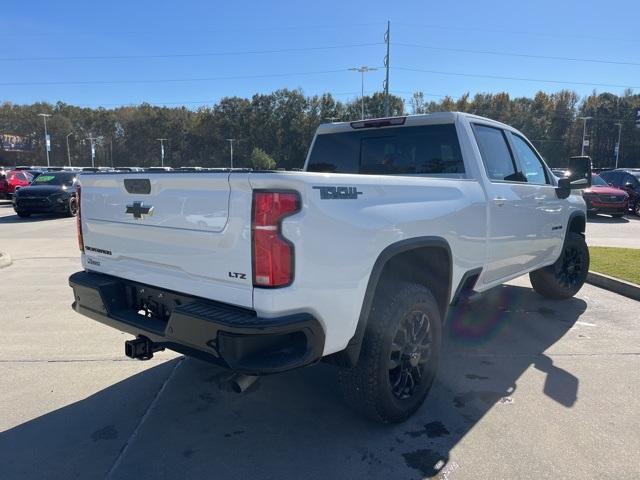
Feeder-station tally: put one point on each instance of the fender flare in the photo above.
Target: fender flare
(573, 215)
(352, 352)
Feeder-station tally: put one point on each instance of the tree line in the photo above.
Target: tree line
(281, 124)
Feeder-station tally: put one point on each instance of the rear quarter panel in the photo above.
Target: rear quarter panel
(338, 241)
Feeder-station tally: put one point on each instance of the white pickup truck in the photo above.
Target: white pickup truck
(354, 260)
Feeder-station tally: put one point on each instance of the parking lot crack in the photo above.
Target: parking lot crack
(143, 418)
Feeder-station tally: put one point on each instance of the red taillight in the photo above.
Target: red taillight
(272, 253)
(79, 220)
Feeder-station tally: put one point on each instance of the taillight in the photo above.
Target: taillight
(79, 220)
(273, 255)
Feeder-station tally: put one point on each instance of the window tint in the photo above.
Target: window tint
(628, 178)
(496, 155)
(614, 178)
(529, 162)
(429, 149)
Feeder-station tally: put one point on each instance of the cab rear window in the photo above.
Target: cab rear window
(421, 150)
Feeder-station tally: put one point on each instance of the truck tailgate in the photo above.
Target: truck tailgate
(171, 230)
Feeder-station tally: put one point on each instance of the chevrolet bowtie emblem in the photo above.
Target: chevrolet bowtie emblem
(138, 210)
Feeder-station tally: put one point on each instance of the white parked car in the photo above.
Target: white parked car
(354, 260)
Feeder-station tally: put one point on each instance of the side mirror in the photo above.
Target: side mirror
(580, 168)
(628, 185)
(563, 190)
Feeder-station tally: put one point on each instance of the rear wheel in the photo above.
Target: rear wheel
(22, 214)
(565, 277)
(399, 357)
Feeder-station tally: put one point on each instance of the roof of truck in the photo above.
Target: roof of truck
(406, 120)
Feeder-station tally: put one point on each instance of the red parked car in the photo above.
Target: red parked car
(16, 179)
(603, 198)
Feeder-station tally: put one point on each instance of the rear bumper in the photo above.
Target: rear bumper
(230, 336)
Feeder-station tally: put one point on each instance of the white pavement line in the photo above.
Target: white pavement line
(147, 412)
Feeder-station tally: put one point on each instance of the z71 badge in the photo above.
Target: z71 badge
(338, 193)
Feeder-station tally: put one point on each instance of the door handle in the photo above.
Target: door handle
(499, 201)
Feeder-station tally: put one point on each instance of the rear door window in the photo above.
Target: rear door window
(422, 150)
(496, 154)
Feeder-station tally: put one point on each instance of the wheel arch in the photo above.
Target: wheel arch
(577, 222)
(404, 260)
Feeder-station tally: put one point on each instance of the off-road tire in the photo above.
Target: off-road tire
(367, 387)
(565, 277)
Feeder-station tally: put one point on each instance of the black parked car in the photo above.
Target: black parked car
(50, 192)
(627, 179)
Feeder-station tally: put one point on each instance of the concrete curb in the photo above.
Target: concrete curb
(630, 290)
(5, 259)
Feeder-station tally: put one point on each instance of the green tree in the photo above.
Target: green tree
(260, 160)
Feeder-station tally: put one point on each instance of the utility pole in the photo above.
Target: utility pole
(619, 124)
(231, 140)
(111, 150)
(47, 141)
(584, 132)
(364, 69)
(162, 140)
(93, 151)
(69, 151)
(387, 40)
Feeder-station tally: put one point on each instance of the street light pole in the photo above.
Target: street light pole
(231, 140)
(69, 151)
(363, 69)
(47, 142)
(584, 132)
(93, 151)
(162, 140)
(619, 124)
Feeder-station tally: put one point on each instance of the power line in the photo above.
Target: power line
(522, 79)
(160, 103)
(172, 80)
(191, 55)
(164, 33)
(517, 32)
(523, 55)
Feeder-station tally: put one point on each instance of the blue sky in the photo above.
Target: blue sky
(181, 35)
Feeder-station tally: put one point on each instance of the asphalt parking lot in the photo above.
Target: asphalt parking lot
(529, 388)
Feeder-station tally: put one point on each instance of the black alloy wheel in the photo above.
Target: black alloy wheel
(410, 353)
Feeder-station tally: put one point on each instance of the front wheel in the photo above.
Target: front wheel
(22, 214)
(565, 277)
(399, 357)
(636, 208)
(617, 215)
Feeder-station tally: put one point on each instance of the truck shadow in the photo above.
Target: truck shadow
(295, 425)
